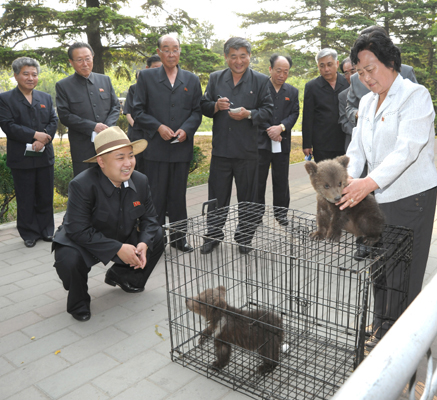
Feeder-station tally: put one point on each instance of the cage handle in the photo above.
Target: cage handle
(207, 203)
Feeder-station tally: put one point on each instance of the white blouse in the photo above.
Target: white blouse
(397, 142)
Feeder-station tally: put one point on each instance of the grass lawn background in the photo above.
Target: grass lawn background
(197, 177)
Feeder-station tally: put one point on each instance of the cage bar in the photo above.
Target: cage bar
(324, 297)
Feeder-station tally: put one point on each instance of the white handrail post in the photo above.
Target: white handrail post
(391, 364)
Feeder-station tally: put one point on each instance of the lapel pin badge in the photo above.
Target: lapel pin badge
(43, 106)
(101, 90)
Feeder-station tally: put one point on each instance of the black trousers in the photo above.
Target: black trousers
(320, 155)
(222, 172)
(34, 194)
(73, 272)
(417, 213)
(280, 163)
(168, 184)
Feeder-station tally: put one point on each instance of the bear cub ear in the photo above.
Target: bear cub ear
(311, 167)
(343, 160)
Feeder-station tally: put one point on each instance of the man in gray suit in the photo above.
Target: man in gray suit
(348, 70)
(357, 89)
(86, 104)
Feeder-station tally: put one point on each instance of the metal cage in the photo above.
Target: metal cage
(323, 295)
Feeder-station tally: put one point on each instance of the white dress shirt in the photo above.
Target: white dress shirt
(397, 141)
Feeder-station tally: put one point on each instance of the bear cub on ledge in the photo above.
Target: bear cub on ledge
(365, 220)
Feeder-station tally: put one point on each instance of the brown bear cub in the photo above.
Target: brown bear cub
(256, 330)
(365, 220)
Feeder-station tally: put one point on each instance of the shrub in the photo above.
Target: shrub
(63, 171)
(122, 123)
(7, 191)
(198, 156)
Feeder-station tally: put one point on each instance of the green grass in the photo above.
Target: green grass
(197, 177)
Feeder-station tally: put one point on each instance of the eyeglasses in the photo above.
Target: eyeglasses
(83, 60)
(169, 52)
(351, 72)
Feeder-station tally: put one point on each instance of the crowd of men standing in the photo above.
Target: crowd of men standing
(253, 116)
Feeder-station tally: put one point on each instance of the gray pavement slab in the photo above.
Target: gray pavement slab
(123, 352)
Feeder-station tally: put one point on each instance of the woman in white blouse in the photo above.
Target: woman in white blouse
(395, 138)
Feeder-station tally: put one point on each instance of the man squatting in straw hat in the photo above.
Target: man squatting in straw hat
(110, 217)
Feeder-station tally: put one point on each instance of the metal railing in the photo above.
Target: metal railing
(393, 363)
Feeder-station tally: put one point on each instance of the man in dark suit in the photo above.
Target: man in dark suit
(322, 135)
(137, 133)
(110, 217)
(348, 70)
(357, 89)
(167, 108)
(274, 138)
(28, 119)
(86, 104)
(238, 100)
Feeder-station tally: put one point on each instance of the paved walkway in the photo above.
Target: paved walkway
(123, 352)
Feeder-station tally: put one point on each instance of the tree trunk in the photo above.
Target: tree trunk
(386, 17)
(94, 40)
(323, 25)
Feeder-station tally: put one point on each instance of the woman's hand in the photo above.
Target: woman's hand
(356, 191)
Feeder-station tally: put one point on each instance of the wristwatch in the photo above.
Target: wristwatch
(282, 127)
(250, 115)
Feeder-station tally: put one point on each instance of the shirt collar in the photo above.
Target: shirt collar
(90, 77)
(108, 187)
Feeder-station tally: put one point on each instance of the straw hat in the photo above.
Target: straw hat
(114, 138)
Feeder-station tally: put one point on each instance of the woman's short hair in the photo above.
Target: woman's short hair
(381, 46)
(21, 62)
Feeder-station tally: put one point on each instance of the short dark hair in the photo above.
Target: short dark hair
(21, 62)
(374, 28)
(152, 59)
(163, 37)
(275, 56)
(345, 61)
(236, 43)
(78, 45)
(381, 46)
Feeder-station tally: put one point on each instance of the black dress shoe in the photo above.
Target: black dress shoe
(362, 253)
(47, 238)
(113, 279)
(208, 247)
(82, 316)
(282, 221)
(244, 249)
(186, 248)
(29, 243)
(372, 342)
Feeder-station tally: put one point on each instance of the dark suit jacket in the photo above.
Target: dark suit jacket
(320, 127)
(92, 226)
(346, 125)
(232, 138)
(81, 103)
(285, 111)
(358, 90)
(156, 102)
(19, 120)
(134, 133)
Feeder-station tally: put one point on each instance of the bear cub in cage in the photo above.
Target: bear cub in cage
(256, 329)
(365, 220)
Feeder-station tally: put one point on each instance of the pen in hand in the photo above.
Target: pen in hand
(230, 102)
